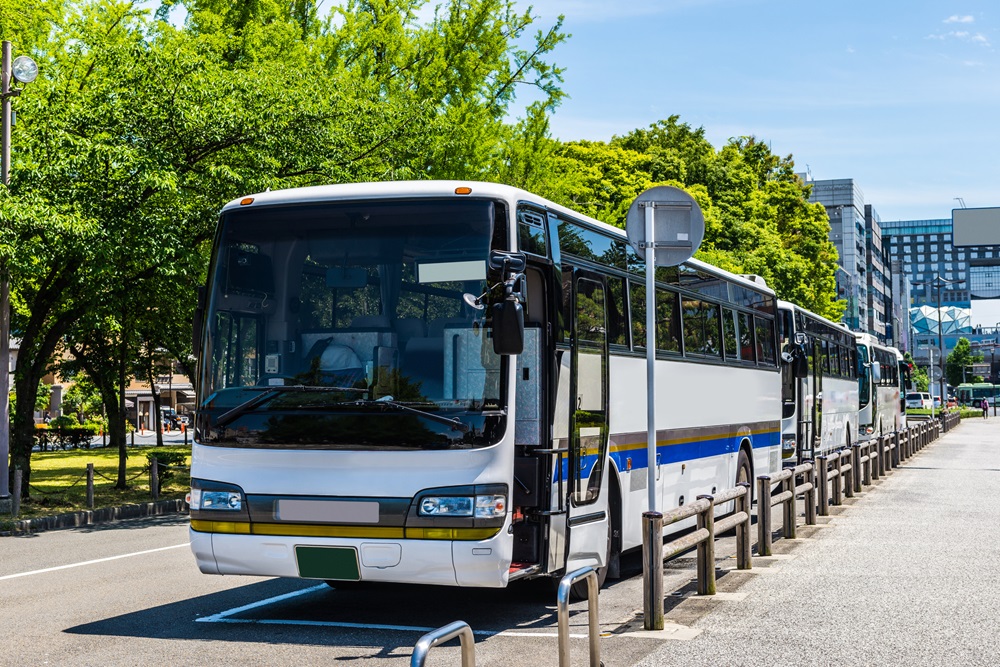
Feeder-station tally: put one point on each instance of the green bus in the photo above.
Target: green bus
(973, 393)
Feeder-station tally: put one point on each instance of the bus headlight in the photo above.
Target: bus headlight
(480, 507)
(215, 496)
(445, 506)
(787, 446)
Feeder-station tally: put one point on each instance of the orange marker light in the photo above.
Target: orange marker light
(246, 200)
(463, 191)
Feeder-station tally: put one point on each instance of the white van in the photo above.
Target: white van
(919, 400)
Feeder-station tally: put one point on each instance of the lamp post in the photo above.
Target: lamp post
(938, 283)
(22, 70)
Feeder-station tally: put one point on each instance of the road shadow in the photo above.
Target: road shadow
(310, 613)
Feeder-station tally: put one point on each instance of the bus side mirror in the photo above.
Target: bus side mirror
(508, 327)
(876, 372)
(197, 321)
(800, 367)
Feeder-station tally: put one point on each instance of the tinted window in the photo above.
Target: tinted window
(701, 327)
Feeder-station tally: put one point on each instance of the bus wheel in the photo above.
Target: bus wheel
(744, 473)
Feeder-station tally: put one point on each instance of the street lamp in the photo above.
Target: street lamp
(938, 283)
(22, 70)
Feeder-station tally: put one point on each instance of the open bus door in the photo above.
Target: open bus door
(588, 522)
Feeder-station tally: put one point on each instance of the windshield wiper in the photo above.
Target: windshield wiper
(387, 401)
(269, 393)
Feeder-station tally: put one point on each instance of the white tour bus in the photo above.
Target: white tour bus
(445, 383)
(819, 384)
(882, 387)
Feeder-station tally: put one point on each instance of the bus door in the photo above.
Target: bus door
(814, 396)
(588, 521)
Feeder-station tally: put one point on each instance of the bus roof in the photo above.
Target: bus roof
(416, 189)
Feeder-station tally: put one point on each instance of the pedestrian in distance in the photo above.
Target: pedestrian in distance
(986, 408)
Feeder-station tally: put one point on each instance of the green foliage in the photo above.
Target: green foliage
(168, 463)
(919, 379)
(758, 218)
(957, 362)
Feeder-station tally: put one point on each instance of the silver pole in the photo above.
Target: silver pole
(4, 281)
(650, 356)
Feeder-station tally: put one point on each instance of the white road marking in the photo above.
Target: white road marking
(91, 562)
(223, 617)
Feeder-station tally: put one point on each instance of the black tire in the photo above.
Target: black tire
(744, 472)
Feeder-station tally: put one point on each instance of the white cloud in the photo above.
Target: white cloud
(955, 18)
(962, 36)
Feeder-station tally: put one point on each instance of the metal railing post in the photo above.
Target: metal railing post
(823, 497)
(836, 491)
(856, 466)
(764, 515)
(90, 486)
(706, 548)
(810, 496)
(788, 508)
(652, 570)
(593, 631)
(458, 629)
(744, 561)
(881, 455)
(154, 478)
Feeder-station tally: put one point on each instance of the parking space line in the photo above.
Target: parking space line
(224, 617)
(90, 562)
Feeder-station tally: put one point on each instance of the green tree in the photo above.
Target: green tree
(919, 380)
(137, 132)
(956, 364)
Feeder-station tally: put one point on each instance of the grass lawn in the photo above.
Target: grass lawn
(59, 480)
(965, 412)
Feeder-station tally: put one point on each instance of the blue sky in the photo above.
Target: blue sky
(903, 97)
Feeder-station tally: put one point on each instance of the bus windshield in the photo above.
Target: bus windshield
(347, 325)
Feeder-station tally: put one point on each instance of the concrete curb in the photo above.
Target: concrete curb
(93, 517)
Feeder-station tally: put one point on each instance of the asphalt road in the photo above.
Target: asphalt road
(904, 574)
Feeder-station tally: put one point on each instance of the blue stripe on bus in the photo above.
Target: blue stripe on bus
(677, 452)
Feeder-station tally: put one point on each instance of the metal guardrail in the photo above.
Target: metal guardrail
(790, 489)
(458, 629)
(834, 475)
(562, 603)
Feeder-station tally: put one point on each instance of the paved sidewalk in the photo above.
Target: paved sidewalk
(907, 574)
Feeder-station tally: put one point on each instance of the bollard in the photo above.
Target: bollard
(185, 432)
(133, 437)
(154, 478)
(706, 548)
(881, 456)
(652, 570)
(90, 486)
(810, 495)
(836, 492)
(764, 515)
(458, 629)
(15, 496)
(866, 461)
(562, 612)
(856, 467)
(744, 561)
(847, 473)
(788, 508)
(823, 499)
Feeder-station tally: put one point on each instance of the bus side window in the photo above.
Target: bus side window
(637, 314)
(765, 341)
(746, 338)
(729, 334)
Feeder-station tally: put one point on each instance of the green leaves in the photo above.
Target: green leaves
(758, 218)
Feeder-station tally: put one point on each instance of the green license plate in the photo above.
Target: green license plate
(339, 563)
